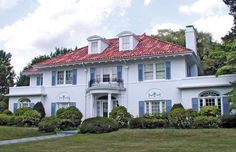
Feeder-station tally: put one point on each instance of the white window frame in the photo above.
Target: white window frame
(65, 81)
(60, 81)
(94, 46)
(156, 72)
(149, 103)
(150, 72)
(68, 76)
(126, 43)
(23, 102)
(67, 105)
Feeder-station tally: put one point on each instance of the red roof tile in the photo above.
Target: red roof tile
(147, 46)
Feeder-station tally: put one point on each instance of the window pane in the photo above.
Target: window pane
(60, 77)
(69, 77)
(125, 43)
(160, 71)
(155, 107)
(147, 107)
(94, 46)
(148, 71)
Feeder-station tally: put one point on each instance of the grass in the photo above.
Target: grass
(7, 132)
(150, 140)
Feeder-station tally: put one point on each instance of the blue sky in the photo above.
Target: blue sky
(32, 27)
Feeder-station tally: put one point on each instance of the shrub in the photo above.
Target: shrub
(65, 124)
(18, 121)
(7, 112)
(209, 111)
(121, 115)
(21, 111)
(39, 107)
(3, 105)
(31, 118)
(143, 123)
(60, 111)
(49, 124)
(71, 113)
(98, 125)
(7, 120)
(206, 122)
(177, 106)
(228, 121)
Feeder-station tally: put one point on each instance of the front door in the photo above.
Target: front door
(105, 109)
(102, 108)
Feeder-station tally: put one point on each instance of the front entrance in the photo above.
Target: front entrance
(102, 105)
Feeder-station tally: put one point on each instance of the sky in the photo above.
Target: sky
(29, 28)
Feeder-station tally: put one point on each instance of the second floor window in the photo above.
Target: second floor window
(125, 43)
(39, 80)
(148, 71)
(94, 47)
(60, 77)
(69, 77)
(160, 71)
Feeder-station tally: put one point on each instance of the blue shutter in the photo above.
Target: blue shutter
(15, 106)
(31, 105)
(74, 76)
(225, 105)
(53, 78)
(168, 105)
(53, 109)
(195, 104)
(140, 72)
(38, 81)
(73, 104)
(92, 74)
(141, 108)
(168, 70)
(119, 72)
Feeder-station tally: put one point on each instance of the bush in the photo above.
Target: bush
(177, 106)
(71, 113)
(7, 112)
(18, 121)
(49, 124)
(39, 107)
(143, 123)
(181, 118)
(31, 118)
(3, 105)
(206, 122)
(21, 111)
(98, 125)
(209, 111)
(228, 121)
(121, 115)
(66, 124)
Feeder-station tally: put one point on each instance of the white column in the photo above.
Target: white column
(109, 103)
(91, 108)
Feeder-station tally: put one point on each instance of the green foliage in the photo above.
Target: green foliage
(39, 107)
(21, 111)
(177, 106)
(228, 121)
(147, 123)
(206, 122)
(6, 119)
(66, 124)
(22, 80)
(98, 125)
(7, 73)
(210, 111)
(3, 106)
(121, 115)
(71, 113)
(49, 124)
(7, 112)
(31, 118)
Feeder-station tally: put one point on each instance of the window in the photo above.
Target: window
(69, 77)
(114, 74)
(60, 77)
(39, 80)
(152, 107)
(94, 46)
(24, 103)
(64, 105)
(126, 43)
(98, 75)
(106, 74)
(148, 71)
(160, 71)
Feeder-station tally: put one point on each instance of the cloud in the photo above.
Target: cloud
(147, 2)
(204, 7)
(171, 26)
(7, 4)
(58, 23)
(218, 26)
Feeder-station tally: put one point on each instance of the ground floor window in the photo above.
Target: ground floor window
(153, 107)
(24, 103)
(64, 105)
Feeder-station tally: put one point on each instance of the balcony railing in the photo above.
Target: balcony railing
(26, 90)
(115, 84)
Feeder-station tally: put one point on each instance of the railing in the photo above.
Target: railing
(26, 90)
(115, 84)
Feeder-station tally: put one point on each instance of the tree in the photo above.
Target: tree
(39, 107)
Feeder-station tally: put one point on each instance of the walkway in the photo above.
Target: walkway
(21, 140)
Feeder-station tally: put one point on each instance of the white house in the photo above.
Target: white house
(144, 74)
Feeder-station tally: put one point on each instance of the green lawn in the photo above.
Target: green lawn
(167, 140)
(7, 132)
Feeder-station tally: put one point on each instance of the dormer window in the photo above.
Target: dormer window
(126, 43)
(94, 47)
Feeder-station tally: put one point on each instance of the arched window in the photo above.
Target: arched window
(210, 98)
(24, 102)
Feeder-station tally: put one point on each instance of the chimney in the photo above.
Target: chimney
(190, 38)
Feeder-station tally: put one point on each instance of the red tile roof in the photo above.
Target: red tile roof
(147, 46)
